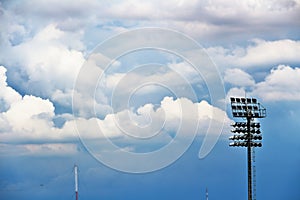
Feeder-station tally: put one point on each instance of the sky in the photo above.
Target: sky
(136, 93)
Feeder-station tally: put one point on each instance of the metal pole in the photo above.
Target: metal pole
(249, 159)
(76, 181)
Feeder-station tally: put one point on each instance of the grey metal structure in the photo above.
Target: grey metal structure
(247, 134)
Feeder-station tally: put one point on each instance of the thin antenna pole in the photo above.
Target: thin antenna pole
(249, 157)
(76, 180)
(206, 194)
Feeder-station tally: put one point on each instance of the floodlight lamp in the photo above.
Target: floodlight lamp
(243, 144)
(256, 144)
(232, 144)
(254, 100)
(239, 124)
(259, 144)
(258, 137)
(255, 125)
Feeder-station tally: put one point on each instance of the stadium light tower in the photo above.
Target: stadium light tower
(247, 134)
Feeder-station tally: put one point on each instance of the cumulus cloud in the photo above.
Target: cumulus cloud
(270, 53)
(30, 114)
(238, 77)
(8, 95)
(29, 122)
(235, 92)
(28, 118)
(149, 119)
(45, 64)
(152, 127)
(281, 84)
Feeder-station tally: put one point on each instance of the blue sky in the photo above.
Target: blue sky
(126, 87)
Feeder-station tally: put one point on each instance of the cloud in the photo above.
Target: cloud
(49, 149)
(29, 113)
(261, 53)
(157, 9)
(27, 119)
(28, 122)
(99, 89)
(150, 120)
(282, 84)
(208, 20)
(43, 47)
(45, 64)
(8, 95)
(238, 77)
(236, 92)
(212, 21)
(270, 53)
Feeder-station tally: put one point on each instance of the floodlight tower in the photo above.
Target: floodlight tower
(248, 132)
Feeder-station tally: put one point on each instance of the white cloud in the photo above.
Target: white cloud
(202, 19)
(48, 62)
(7, 95)
(155, 9)
(30, 114)
(271, 52)
(64, 98)
(47, 58)
(238, 77)
(30, 121)
(50, 149)
(236, 92)
(281, 84)
(166, 118)
(28, 118)
(261, 53)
